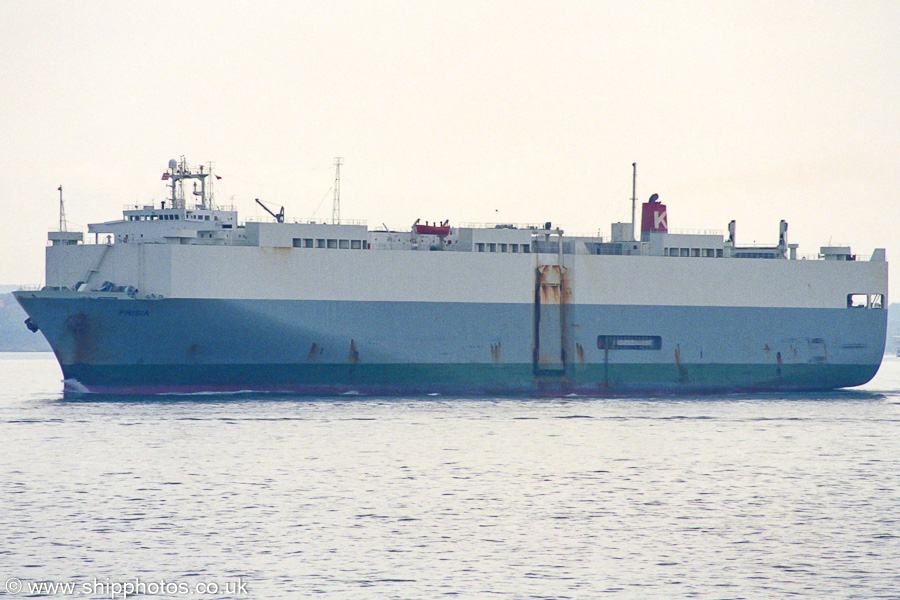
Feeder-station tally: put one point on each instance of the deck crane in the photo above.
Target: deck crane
(279, 216)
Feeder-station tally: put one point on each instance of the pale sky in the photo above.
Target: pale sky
(468, 111)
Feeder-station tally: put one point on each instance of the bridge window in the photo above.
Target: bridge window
(355, 244)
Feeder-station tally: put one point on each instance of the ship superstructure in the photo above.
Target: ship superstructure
(182, 297)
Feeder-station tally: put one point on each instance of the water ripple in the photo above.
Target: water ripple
(734, 497)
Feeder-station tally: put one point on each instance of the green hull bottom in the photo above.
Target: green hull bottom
(465, 379)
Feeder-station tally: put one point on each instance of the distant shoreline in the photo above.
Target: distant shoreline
(14, 336)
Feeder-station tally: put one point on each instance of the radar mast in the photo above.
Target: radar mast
(177, 173)
(336, 207)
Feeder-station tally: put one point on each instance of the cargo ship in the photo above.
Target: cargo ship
(179, 296)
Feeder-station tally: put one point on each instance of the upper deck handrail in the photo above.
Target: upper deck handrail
(222, 207)
(696, 232)
(522, 226)
(357, 222)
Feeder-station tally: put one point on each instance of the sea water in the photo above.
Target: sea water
(255, 496)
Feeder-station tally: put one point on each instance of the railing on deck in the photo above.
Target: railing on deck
(525, 226)
(362, 222)
(696, 231)
(227, 207)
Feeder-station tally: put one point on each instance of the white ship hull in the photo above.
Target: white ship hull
(321, 321)
(185, 299)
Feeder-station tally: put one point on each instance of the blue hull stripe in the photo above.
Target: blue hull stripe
(409, 347)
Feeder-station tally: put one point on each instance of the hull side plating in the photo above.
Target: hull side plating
(123, 345)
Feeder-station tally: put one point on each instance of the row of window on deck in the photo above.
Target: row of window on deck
(330, 243)
(167, 217)
(695, 252)
(513, 248)
(342, 244)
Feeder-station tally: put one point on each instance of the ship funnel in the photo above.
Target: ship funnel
(653, 216)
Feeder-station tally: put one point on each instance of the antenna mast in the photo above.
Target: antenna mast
(336, 209)
(62, 212)
(210, 192)
(633, 200)
(177, 173)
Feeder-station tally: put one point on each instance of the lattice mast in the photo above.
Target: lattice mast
(176, 174)
(62, 212)
(336, 207)
(634, 201)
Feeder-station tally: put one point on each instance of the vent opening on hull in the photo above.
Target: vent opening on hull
(629, 342)
(865, 301)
